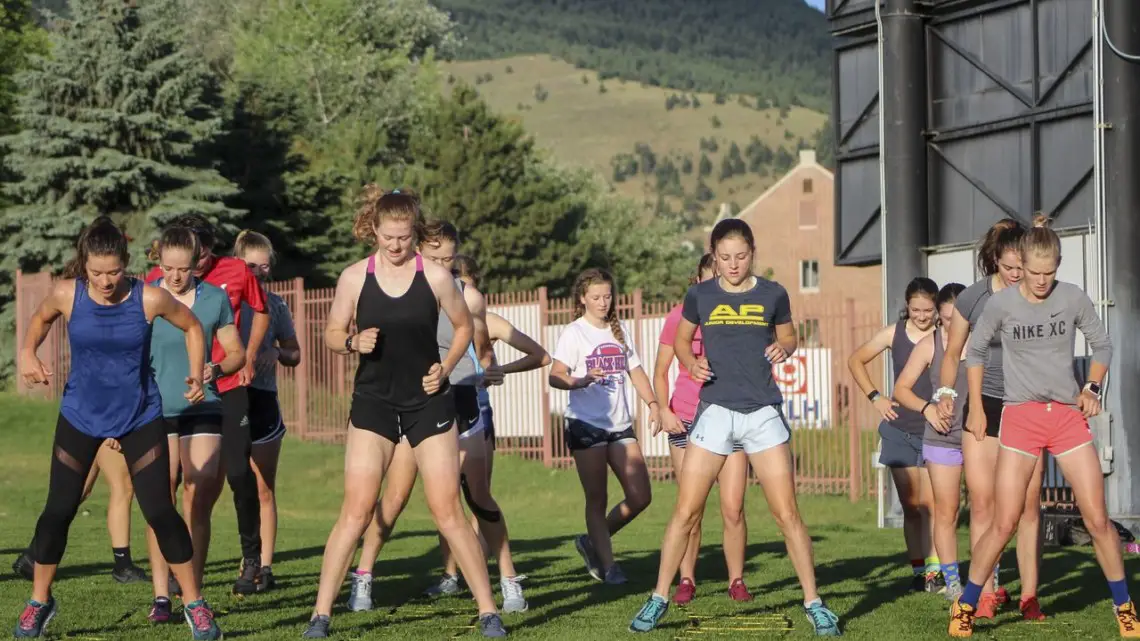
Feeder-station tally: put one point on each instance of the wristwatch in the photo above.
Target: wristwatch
(215, 370)
(1094, 388)
(348, 344)
(873, 395)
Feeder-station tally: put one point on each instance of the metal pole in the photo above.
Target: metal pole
(1120, 32)
(903, 104)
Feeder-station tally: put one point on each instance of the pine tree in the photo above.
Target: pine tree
(119, 121)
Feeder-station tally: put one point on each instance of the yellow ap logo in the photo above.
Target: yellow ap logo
(725, 313)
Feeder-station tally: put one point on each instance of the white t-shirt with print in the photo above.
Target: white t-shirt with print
(604, 404)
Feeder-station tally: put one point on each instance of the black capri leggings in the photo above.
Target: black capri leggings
(237, 444)
(149, 463)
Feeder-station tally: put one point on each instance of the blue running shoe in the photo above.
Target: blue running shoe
(825, 622)
(649, 615)
(200, 618)
(491, 626)
(34, 621)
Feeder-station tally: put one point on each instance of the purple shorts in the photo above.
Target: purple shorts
(942, 455)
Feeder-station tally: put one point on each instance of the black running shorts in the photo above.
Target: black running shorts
(379, 417)
(189, 425)
(264, 414)
(992, 406)
(466, 406)
(583, 436)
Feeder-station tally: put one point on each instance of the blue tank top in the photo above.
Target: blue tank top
(481, 393)
(111, 390)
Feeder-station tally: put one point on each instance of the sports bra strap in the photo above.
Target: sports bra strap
(419, 262)
(372, 264)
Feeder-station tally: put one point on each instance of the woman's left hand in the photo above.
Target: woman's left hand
(776, 354)
(1088, 403)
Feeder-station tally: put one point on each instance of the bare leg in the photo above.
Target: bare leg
(118, 477)
(399, 481)
(697, 476)
(733, 481)
(776, 473)
(1014, 471)
(946, 481)
(980, 465)
(693, 549)
(1029, 539)
(202, 485)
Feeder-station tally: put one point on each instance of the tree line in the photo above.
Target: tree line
(271, 116)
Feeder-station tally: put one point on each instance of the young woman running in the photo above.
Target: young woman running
(677, 421)
(401, 390)
(902, 429)
(395, 497)
(438, 245)
(194, 431)
(942, 440)
(593, 359)
(111, 397)
(266, 427)
(999, 259)
(1044, 409)
(232, 275)
(746, 327)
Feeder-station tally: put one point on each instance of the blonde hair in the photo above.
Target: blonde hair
(437, 231)
(1040, 239)
(377, 204)
(594, 276)
(249, 240)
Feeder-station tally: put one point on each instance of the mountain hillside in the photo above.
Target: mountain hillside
(778, 50)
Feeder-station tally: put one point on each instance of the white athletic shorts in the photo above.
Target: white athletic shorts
(717, 429)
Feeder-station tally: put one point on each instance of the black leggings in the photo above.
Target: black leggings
(149, 463)
(236, 448)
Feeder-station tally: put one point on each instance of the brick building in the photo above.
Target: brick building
(793, 222)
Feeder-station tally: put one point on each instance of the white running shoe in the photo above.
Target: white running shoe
(360, 599)
(513, 600)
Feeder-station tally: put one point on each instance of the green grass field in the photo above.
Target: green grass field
(585, 127)
(861, 569)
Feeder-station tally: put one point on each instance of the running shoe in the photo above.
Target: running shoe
(649, 615)
(953, 591)
(935, 583)
(614, 575)
(1031, 610)
(35, 619)
(586, 550)
(987, 606)
(918, 583)
(738, 591)
(686, 590)
(266, 582)
(1126, 618)
(161, 610)
(248, 579)
(200, 618)
(360, 597)
(513, 600)
(1001, 596)
(24, 566)
(129, 574)
(825, 622)
(491, 626)
(962, 619)
(447, 586)
(318, 628)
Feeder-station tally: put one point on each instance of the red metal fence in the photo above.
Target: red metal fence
(834, 430)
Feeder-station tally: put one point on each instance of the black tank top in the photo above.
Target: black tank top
(406, 348)
(908, 421)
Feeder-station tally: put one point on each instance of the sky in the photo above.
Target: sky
(818, 4)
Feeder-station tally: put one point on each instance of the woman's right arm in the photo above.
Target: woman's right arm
(340, 315)
(661, 374)
(916, 366)
(33, 370)
(857, 365)
(560, 377)
(500, 329)
(956, 336)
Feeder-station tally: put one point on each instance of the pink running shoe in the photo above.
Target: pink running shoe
(738, 591)
(685, 592)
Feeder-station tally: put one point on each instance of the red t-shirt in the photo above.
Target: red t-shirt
(236, 278)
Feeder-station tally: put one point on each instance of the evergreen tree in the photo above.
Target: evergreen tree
(706, 166)
(119, 120)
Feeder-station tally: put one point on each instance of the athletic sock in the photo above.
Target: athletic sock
(362, 573)
(970, 594)
(813, 603)
(932, 564)
(997, 569)
(1119, 592)
(122, 558)
(950, 571)
(918, 566)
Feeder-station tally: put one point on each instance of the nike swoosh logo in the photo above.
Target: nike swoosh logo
(1056, 315)
(443, 424)
(223, 285)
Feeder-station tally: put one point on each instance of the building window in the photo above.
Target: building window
(807, 185)
(809, 215)
(809, 333)
(809, 275)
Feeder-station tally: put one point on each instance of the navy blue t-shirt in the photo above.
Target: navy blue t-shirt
(736, 329)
